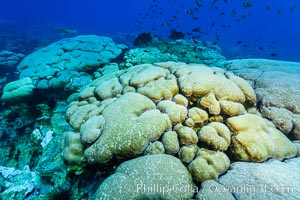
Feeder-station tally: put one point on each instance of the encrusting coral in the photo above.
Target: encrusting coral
(187, 110)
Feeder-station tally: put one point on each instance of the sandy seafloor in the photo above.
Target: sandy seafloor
(44, 144)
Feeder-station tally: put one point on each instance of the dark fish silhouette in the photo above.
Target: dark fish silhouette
(268, 8)
(233, 12)
(212, 24)
(292, 8)
(66, 31)
(197, 29)
(218, 38)
(239, 42)
(166, 24)
(278, 11)
(197, 3)
(261, 48)
(222, 13)
(247, 4)
(273, 54)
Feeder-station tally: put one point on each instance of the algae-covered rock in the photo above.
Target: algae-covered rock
(256, 139)
(148, 177)
(18, 91)
(56, 65)
(18, 182)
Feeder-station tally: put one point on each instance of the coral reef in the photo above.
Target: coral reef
(190, 51)
(9, 60)
(148, 177)
(18, 91)
(147, 129)
(145, 55)
(211, 190)
(61, 63)
(277, 86)
(180, 51)
(270, 180)
(256, 139)
(172, 108)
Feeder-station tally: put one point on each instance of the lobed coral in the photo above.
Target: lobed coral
(60, 64)
(148, 177)
(18, 91)
(172, 108)
(276, 84)
(9, 60)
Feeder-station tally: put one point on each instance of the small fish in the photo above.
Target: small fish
(273, 54)
(292, 8)
(239, 42)
(261, 48)
(278, 11)
(268, 8)
(212, 24)
(247, 4)
(197, 3)
(189, 11)
(195, 18)
(222, 13)
(166, 24)
(233, 12)
(66, 31)
(197, 29)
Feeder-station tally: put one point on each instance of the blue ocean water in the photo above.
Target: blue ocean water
(243, 29)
